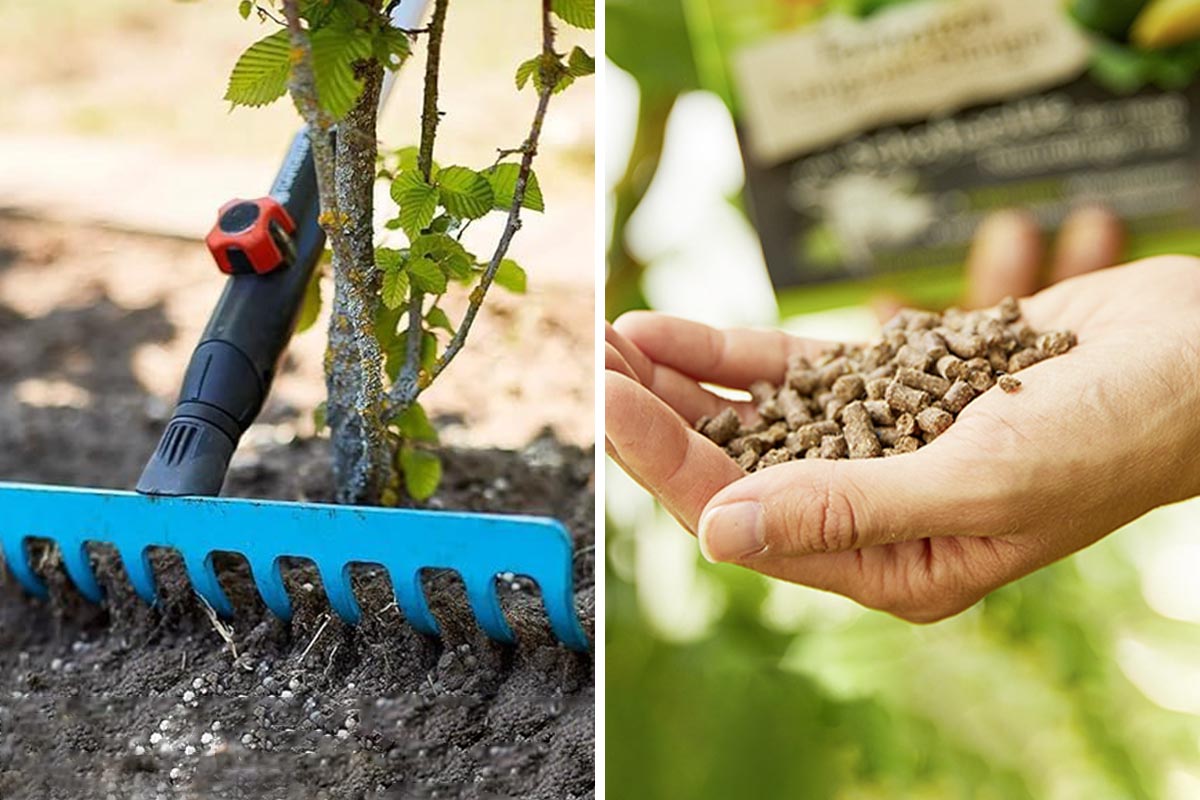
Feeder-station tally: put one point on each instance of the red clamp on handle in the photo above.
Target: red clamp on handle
(251, 236)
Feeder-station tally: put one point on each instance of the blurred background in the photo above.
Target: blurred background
(1079, 681)
(116, 150)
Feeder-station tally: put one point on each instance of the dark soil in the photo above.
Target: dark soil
(127, 701)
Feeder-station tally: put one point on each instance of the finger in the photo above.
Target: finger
(678, 465)
(735, 358)
(1091, 238)
(1005, 259)
(886, 305)
(689, 399)
(820, 507)
(613, 360)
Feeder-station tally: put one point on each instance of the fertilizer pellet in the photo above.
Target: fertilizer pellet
(889, 397)
(1009, 384)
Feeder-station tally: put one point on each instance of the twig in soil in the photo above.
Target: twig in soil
(591, 548)
(223, 630)
(389, 606)
(317, 635)
(329, 663)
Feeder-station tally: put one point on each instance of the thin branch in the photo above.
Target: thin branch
(263, 13)
(528, 151)
(302, 85)
(409, 380)
(429, 106)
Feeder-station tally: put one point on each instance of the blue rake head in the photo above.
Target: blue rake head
(403, 541)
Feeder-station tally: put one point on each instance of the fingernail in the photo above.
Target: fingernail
(733, 532)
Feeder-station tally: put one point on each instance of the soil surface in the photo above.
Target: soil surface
(127, 701)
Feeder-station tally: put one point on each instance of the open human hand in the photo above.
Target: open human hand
(1094, 439)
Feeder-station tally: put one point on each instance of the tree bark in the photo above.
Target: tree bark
(353, 363)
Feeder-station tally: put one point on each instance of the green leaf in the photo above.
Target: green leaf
(386, 320)
(527, 70)
(426, 276)
(335, 49)
(260, 75)
(395, 287)
(580, 63)
(245, 8)
(580, 13)
(428, 351)
(388, 258)
(391, 46)
(437, 318)
(445, 251)
(319, 416)
(511, 276)
(310, 308)
(503, 179)
(394, 355)
(414, 424)
(464, 192)
(422, 472)
(417, 200)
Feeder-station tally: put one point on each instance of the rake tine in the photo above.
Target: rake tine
(410, 597)
(17, 559)
(204, 580)
(339, 592)
(559, 601)
(79, 568)
(140, 573)
(481, 592)
(268, 578)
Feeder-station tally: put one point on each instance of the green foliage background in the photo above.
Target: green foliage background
(1020, 697)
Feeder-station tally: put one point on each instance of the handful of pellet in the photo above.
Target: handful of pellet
(888, 397)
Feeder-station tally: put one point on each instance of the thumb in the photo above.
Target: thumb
(810, 507)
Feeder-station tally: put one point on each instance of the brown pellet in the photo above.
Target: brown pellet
(750, 443)
(795, 410)
(829, 373)
(876, 387)
(934, 345)
(849, 387)
(934, 421)
(769, 409)
(810, 435)
(772, 457)
(963, 345)
(888, 397)
(1025, 358)
(1055, 343)
(951, 367)
(980, 380)
(906, 398)
(722, 427)
(803, 381)
(860, 435)
(887, 436)
(834, 447)
(880, 411)
(932, 384)
(957, 396)
(910, 357)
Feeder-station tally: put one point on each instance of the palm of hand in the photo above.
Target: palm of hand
(1092, 440)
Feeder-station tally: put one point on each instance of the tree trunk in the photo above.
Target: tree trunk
(353, 362)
